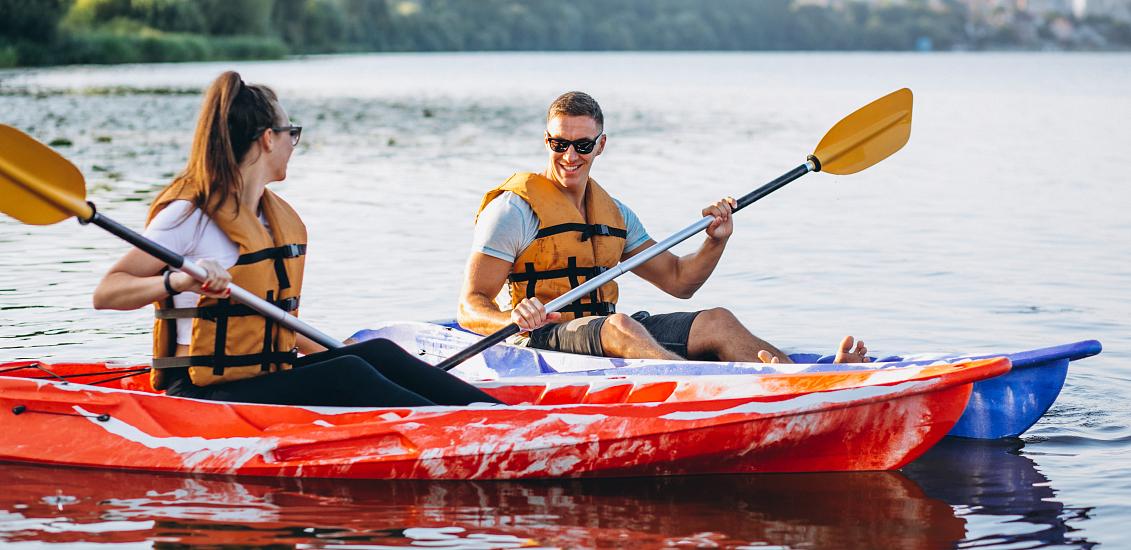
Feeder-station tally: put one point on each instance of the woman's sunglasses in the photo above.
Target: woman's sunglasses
(294, 131)
(583, 146)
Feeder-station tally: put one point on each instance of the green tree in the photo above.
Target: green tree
(234, 17)
(31, 20)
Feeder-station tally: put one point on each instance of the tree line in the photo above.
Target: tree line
(42, 32)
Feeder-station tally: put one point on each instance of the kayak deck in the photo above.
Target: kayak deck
(1001, 407)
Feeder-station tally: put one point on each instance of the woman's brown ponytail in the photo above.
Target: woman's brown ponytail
(232, 117)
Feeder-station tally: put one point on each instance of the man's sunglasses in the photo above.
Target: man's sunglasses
(583, 146)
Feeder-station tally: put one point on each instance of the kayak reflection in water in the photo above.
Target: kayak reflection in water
(219, 213)
(543, 234)
(992, 480)
(846, 510)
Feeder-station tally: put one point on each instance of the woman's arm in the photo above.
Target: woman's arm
(135, 281)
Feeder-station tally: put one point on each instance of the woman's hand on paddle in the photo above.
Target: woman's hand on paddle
(214, 286)
(530, 314)
(723, 225)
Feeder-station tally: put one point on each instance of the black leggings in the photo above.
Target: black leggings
(373, 373)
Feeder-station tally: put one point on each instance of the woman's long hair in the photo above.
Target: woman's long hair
(232, 117)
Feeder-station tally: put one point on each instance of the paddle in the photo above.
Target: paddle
(40, 187)
(871, 134)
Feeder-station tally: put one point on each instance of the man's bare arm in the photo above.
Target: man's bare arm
(679, 276)
(482, 280)
(478, 311)
(682, 276)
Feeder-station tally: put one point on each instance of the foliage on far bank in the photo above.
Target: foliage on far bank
(43, 32)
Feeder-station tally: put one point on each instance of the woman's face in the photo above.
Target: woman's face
(282, 145)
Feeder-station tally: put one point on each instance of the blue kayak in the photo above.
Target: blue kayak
(1000, 407)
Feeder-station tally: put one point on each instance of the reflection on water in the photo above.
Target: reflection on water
(992, 483)
(949, 497)
(865, 510)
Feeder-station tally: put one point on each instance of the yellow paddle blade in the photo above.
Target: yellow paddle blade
(867, 136)
(37, 185)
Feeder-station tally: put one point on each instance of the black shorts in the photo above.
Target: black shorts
(583, 335)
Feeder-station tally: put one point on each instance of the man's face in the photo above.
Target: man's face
(569, 168)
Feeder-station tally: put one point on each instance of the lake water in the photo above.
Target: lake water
(1002, 226)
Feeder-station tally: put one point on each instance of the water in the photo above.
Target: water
(1002, 226)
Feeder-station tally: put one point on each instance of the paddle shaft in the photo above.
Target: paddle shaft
(179, 262)
(628, 265)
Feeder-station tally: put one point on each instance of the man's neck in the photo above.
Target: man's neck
(576, 195)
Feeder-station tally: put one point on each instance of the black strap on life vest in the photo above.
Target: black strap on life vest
(169, 324)
(530, 275)
(531, 282)
(601, 309)
(278, 254)
(575, 275)
(220, 349)
(252, 359)
(268, 335)
(220, 313)
(213, 312)
(587, 230)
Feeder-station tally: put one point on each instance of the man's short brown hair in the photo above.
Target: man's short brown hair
(576, 104)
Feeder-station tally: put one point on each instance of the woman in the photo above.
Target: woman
(219, 213)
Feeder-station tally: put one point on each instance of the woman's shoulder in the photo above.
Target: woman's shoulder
(176, 213)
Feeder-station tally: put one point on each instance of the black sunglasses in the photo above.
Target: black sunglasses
(294, 131)
(583, 146)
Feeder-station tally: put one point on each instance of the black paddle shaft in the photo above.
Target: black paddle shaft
(129, 235)
(502, 334)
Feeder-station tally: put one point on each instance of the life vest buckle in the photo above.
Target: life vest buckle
(291, 251)
(595, 230)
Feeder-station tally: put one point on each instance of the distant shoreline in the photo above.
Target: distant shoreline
(292, 57)
(112, 32)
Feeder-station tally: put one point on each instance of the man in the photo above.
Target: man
(543, 234)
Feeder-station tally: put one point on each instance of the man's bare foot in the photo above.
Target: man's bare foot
(848, 354)
(767, 357)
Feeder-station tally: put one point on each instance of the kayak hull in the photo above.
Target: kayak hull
(1002, 407)
(581, 426)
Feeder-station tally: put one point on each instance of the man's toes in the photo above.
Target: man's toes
(846, 344)
(766, 357)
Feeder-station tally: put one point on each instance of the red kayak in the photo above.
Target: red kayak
(90, 415)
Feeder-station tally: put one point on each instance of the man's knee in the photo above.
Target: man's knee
(624, 325)
(620, 334)
(711, 329)
(716, 318)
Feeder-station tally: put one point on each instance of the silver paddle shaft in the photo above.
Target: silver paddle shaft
(680, 236)
(627, 265)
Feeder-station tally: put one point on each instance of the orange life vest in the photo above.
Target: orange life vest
(569, 249)
(230, 341)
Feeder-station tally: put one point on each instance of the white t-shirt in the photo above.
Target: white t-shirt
(508, 225)
(195, 237)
